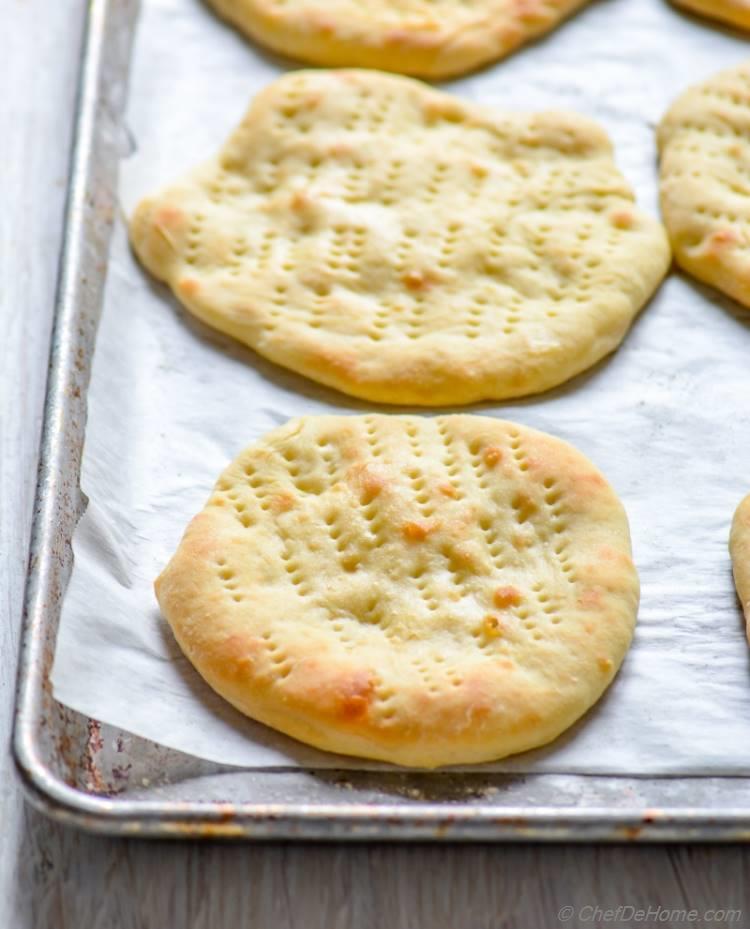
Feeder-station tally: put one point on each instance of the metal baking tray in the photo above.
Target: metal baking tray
(86, 774)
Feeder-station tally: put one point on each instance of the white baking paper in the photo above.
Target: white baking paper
(666, 418)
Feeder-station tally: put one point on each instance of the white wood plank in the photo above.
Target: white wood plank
(38, 50)
(51, 878)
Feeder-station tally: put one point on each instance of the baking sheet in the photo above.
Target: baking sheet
(665, 418)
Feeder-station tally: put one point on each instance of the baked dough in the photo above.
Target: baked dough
(426, 38)
(739, 547)
(405, 246)
(425, 591)
(734, 12)
(704, 141)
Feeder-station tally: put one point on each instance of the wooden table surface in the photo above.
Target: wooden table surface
(57, 878)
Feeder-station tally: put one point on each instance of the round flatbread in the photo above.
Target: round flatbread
(426, 38)
(739, 547)
(404, 246)
(734, 12)
(704, 141)
(422, 591)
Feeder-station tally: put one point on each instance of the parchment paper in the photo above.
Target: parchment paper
(666, 418)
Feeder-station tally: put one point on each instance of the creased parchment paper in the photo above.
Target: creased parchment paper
(667, 418)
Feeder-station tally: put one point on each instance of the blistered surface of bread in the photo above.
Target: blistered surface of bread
(425, 591)
(705, 181)
(404, 246)
(426, 38)
(739, 546)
